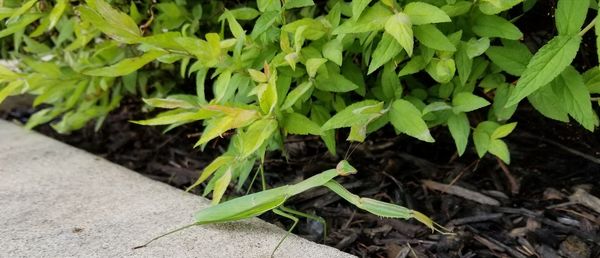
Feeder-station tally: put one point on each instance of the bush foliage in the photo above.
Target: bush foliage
(270, 68)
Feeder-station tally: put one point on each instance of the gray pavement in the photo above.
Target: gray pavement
(58, 201)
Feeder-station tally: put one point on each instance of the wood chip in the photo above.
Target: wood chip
(462, 192)
(584, 198)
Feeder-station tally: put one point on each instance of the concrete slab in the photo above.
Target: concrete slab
(59, 201)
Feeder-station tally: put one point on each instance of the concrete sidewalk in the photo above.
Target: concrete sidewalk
(58, 201)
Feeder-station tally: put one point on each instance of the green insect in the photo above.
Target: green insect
(256, 204)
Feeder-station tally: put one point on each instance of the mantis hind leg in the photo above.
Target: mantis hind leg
(289, 216)
(308, 216)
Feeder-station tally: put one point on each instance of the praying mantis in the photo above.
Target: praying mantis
(258, 203)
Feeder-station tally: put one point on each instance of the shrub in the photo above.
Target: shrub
(266, 69)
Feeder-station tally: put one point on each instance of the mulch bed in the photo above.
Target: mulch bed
(535, 207)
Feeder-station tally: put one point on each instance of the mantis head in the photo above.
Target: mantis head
(344, 168)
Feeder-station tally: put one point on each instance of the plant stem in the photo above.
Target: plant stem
(588, 27)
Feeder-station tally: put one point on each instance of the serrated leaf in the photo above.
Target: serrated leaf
(256, 135)
(570, 16)
(289, 4)
(430, 36)
(496, 6)
(574, 95)
(545, 101)
(386, 50)
(110, 21)
(296, 94)
(168, 103)
(332, 50)
(357, 7)
(126, 66)
(263, 23)
(335, 82)
(399, 26)
(545, 65)
(359, 113)
(459, 127)
(295, 123)
(268, 5)
(372, 19)
(513, 58)
(406, 118)
(493, 26)
(423, 13)
(313, 64)
(467, 102)
(476, 47)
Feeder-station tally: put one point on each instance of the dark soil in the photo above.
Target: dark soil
(534, 219)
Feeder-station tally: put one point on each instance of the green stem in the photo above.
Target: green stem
(588, 27)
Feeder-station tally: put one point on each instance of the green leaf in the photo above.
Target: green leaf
(332, 50)
(399, 26)
(423, 13)
(591, 78)
(390, 83)
(459, 127)
(513, 57)
(335, 82)
(126, 66)
(503, 131)
(211, 168)
(406, 118)
(374, 18)
(169, 103)
(493, 26)
(320, 115)
(386, 50)
(464, 64)
(263, 23)
(545, 101)
(430, 36)
(414, 65)
(574, 95)
(177, 117)
(295, 95)
(359, 113)
(467, 102)
(295, 123)
(10, 89)
(256, 135)
(221, 186)
(441, 70)
(289, 4)
(570, 16)
(313, 64)
(499, 148)
(545, 65)
(20, 11)
(496, 6)
(19, 25)
(499, 108)
(357, 7)
(113, 23)
(244, 13)
(476, 47)
(268, 5)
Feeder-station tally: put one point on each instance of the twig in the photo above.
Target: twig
(514, 185)
(462, 192)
